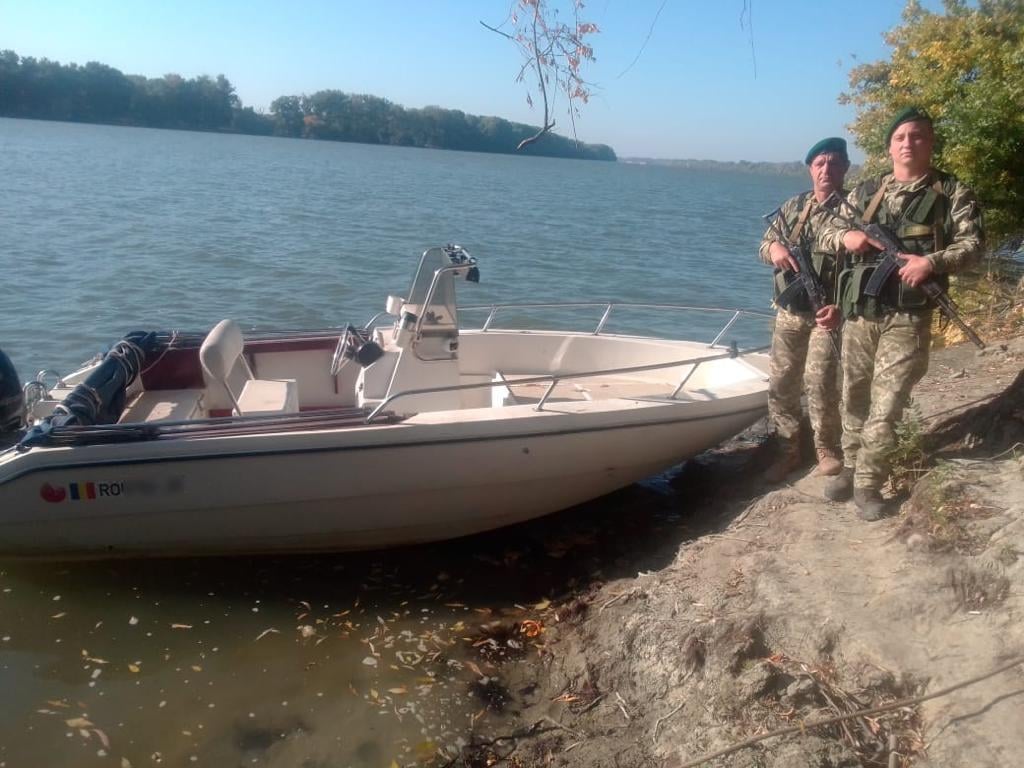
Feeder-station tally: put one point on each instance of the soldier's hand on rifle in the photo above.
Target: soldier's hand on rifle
(781, 259)
(828, 317)
(915, 270)
(856, 241)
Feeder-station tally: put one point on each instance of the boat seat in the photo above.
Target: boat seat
(222, 353)
(164, 405)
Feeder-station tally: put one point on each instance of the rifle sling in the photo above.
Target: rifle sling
(872, 209)
(805, 213)
(937, 228)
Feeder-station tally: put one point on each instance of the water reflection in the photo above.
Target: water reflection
(354, 660)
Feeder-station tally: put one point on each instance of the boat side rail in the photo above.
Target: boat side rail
(608, 307)
(44, 434)
(553, 379)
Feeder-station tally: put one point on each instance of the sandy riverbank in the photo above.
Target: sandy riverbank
(763, 607)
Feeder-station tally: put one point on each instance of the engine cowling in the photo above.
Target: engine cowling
(12, 399)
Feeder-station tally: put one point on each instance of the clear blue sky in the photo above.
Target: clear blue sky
(694, 92)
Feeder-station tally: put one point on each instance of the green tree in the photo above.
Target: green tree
(288, 116)
(965, 65)
(96, 93)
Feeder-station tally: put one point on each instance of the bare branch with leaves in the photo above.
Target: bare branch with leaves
(554, 54)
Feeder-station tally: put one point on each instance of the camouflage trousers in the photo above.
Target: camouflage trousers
(803, 359)
(882, 361)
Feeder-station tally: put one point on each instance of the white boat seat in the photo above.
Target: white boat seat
(222, 353)
(269, 396)
(164, 405)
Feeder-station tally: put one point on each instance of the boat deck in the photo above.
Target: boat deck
(603, 388)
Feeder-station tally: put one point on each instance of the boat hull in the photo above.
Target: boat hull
(422, 480)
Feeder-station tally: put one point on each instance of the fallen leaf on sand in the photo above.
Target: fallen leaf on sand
(531, 628)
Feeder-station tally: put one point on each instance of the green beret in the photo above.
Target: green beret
(905, 115)
(831, 144)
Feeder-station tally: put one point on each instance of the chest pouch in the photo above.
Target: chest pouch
(824, 266)
(917, 235)
(852, 300)
(799, 303)
(897, 295)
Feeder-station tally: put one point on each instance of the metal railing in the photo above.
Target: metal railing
(350, 416)
(609, 307)
(553, 379)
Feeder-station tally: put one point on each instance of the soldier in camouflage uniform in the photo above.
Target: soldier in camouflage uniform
(886, 339)
(803, 355)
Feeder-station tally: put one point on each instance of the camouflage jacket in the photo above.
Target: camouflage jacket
(962, 229)
(824, 259)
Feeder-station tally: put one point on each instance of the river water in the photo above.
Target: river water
(357, 660)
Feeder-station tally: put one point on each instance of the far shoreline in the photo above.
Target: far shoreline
(764, 168)
(229, 132)
(761, 167)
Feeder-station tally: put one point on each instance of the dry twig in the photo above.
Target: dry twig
(801, 727)
(662, 719)
(613, 600)
(622, 706)
(591, 705)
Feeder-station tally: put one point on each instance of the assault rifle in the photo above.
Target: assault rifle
(891, 261)
(806, 280)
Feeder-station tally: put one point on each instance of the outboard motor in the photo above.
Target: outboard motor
(100, 399)
(12, 399)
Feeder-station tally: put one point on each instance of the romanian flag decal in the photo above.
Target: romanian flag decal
(80, 491)
(87, 491)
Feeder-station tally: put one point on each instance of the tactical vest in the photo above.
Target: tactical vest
(800, 233)
(921, 229)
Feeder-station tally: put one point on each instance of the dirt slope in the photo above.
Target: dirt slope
(786, 608)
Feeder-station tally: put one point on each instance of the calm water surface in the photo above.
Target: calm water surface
(328, 661)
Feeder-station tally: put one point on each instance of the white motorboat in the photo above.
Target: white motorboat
(395, 433)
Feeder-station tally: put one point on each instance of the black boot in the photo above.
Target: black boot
(840, 487)
(870, 504)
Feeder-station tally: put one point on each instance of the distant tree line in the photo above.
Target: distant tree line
(762, 168)
(96, 93)
(339, 116)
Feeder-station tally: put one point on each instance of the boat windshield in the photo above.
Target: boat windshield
(437, 308)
